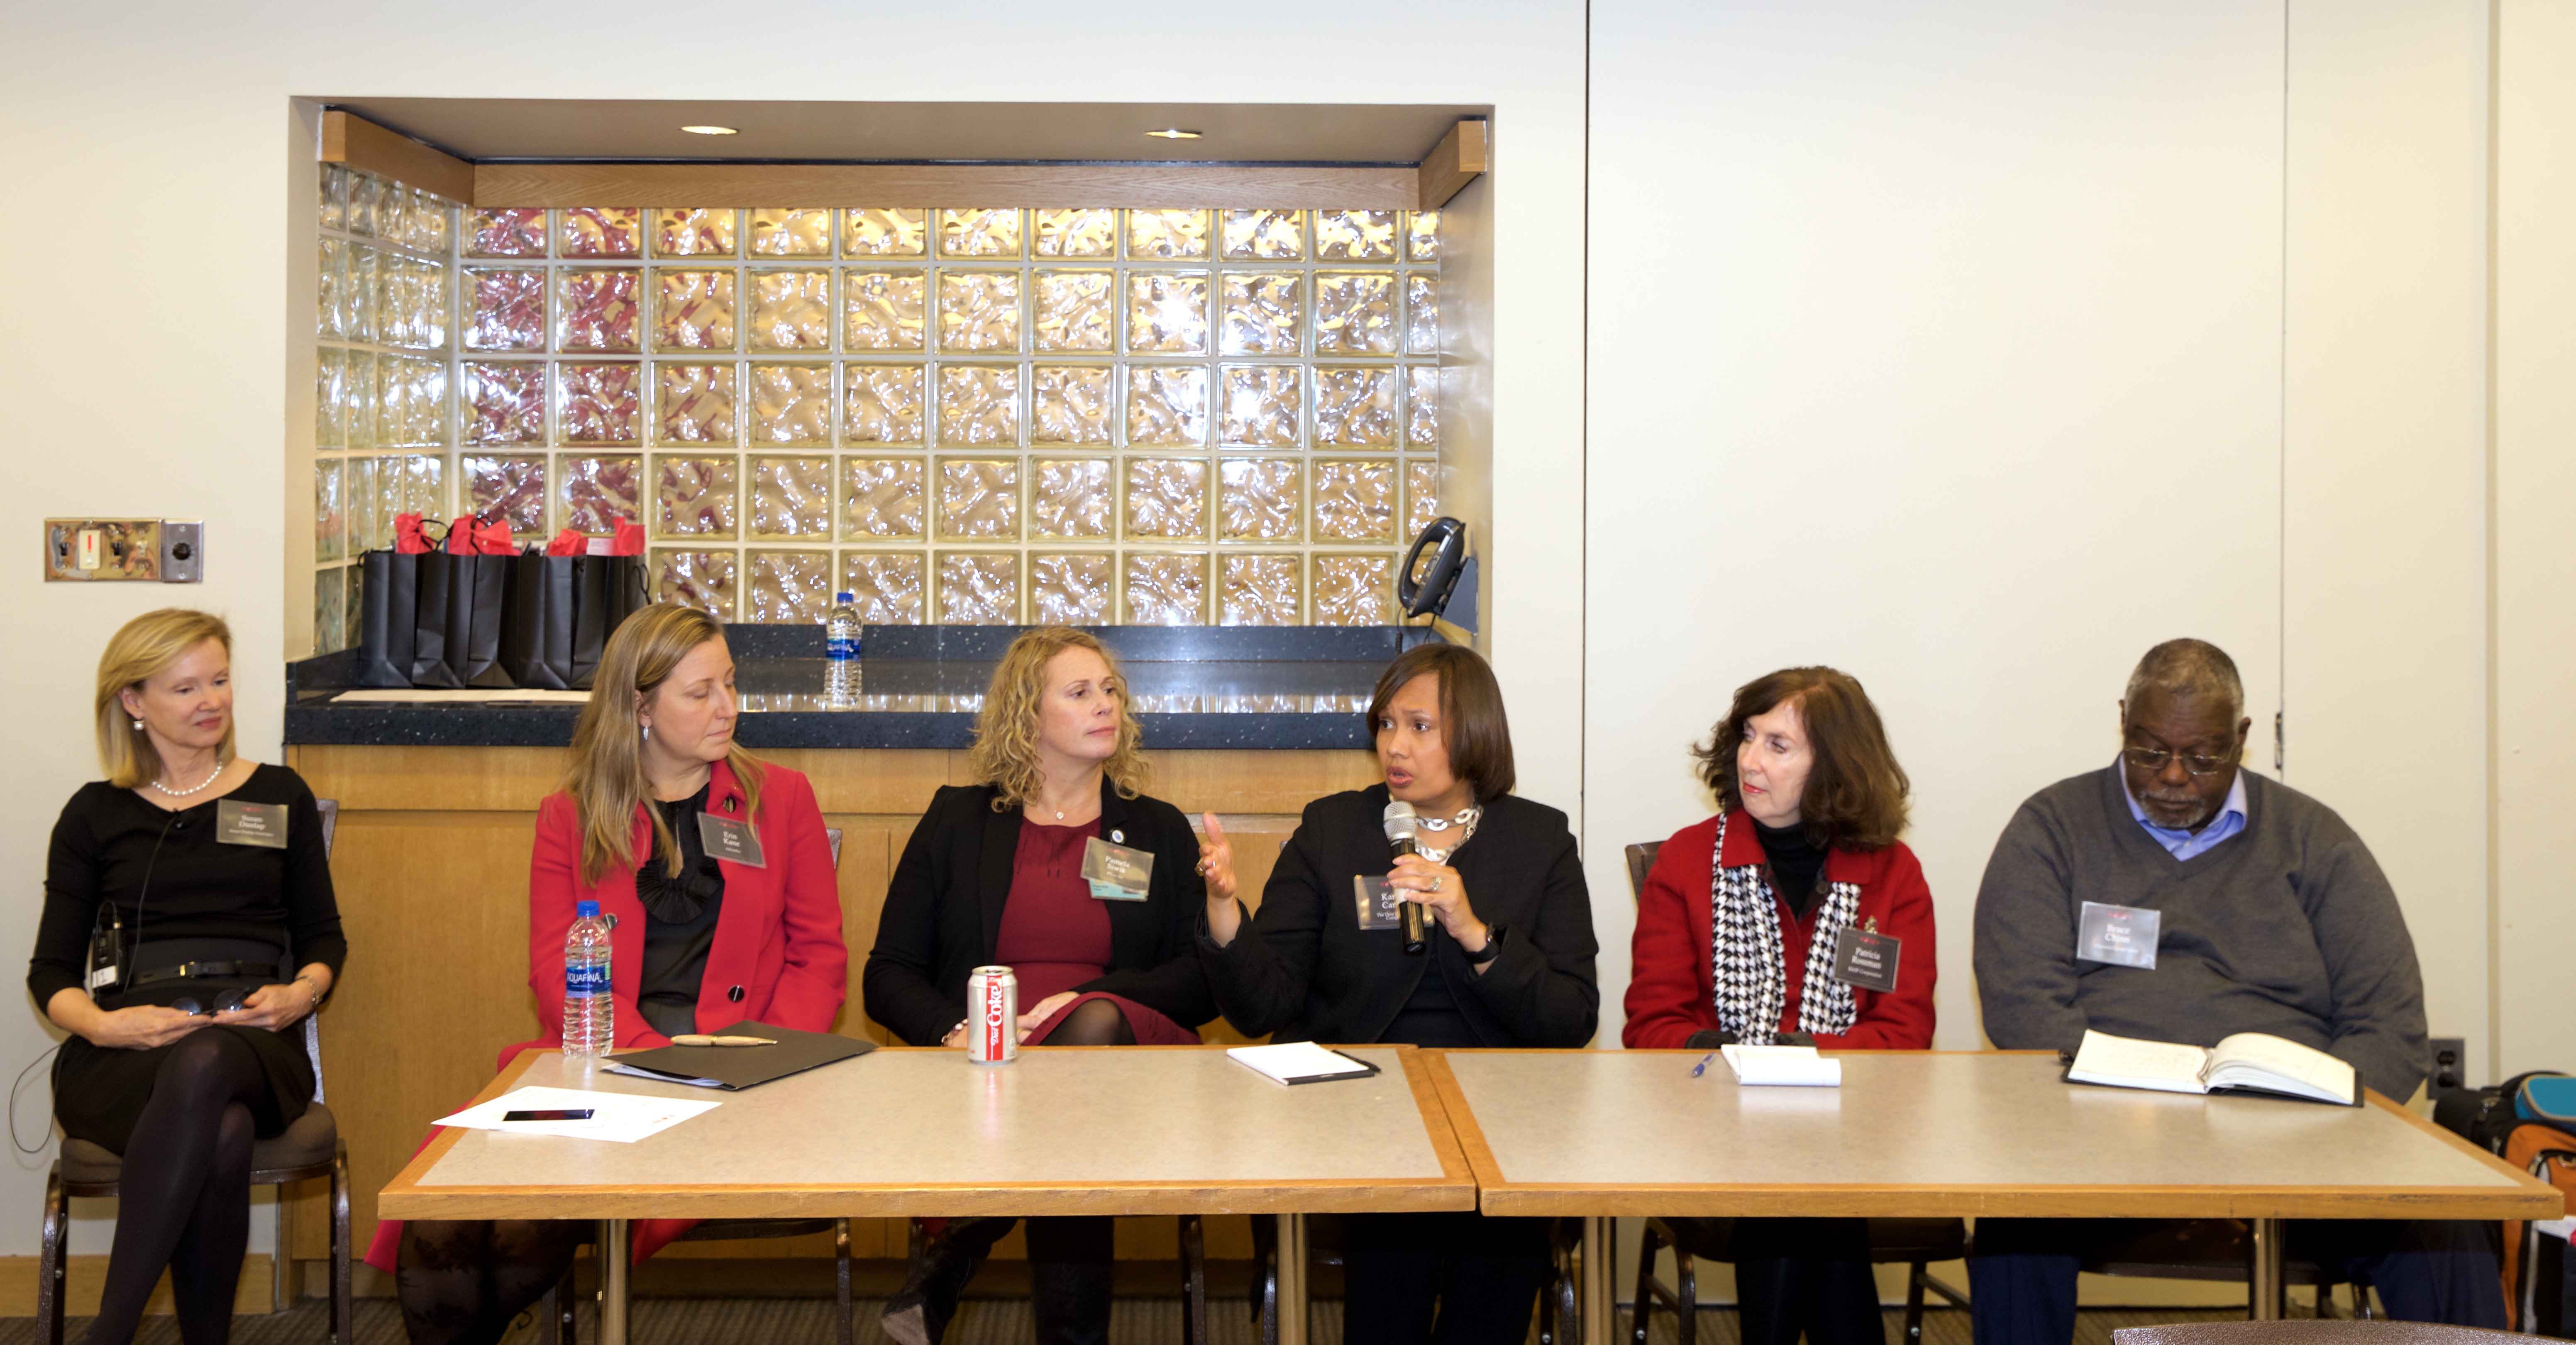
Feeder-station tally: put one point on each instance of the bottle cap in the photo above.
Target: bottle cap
(845, 597)
(586, 910)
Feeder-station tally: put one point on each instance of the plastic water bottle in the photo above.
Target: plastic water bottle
(590, 1023)
(841, 651)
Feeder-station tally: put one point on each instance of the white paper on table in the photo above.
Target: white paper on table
(622, 1118)
(1782, 1066)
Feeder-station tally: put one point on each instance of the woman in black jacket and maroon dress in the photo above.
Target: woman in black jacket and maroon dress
(1508, 963)
(993, 876)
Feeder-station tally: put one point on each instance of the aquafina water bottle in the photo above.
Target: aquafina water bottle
(841, 652)
(590, 1024)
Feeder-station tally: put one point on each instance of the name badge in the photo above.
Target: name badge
(1115, 872)
(1379, 907)
(260, 824)
(1867, 959)
(2121, 935)
(730, 839)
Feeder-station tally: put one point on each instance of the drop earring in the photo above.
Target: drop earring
(138, 724)
(648, 732)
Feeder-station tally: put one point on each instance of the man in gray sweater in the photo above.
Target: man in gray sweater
(2270, 916)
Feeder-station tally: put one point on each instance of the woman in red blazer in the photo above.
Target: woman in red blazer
(696, 943)
(1738, 929)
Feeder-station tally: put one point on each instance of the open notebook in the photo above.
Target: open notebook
(2248, 1062)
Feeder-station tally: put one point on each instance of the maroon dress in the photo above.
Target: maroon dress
(1055, 934)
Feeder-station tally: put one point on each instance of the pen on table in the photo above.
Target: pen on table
(697, 1039)
(1702, 1067)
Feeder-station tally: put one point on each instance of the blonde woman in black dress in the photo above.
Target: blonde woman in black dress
(182, 1056)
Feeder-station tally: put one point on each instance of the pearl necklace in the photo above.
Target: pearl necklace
(201, 784)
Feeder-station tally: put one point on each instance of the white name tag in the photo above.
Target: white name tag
(2123, 936)
(1115, 872)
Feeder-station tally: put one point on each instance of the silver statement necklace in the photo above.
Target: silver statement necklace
(1465, 822)
(211, 777)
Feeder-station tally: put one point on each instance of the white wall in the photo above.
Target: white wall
(148, 367)
(2535, 548)
(1940, 344)
(2384, 611)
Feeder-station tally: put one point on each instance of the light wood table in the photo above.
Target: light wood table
(899, 1132)
(1597, 1134)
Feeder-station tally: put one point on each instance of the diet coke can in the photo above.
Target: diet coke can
(993, 1016)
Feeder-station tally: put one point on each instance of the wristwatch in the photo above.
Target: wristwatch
(1493, 947)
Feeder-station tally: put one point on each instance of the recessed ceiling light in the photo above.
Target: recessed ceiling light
(1173, 133)
(710, 130)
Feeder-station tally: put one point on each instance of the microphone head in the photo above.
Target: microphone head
(1399, 821)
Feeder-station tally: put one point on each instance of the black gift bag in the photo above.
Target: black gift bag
(606, 590)
(459, 630)
(389, 604)
(537, 622)
(432, 578)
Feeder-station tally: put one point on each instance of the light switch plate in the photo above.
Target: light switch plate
(96, 550)
(183, 551)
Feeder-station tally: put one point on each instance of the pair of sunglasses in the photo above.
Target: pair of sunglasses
(229, 1001)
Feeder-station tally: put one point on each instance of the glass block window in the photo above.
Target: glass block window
(961, 415)
(393, 313)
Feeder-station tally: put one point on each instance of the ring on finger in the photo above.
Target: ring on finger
(1435, 885)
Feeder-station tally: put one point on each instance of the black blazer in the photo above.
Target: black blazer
(943, 913)
(1303, 970)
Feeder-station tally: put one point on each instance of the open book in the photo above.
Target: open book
(2248, 1062)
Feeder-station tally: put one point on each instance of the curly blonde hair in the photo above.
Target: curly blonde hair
(1005, 755)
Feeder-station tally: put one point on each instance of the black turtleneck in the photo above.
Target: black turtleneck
(1796, 865)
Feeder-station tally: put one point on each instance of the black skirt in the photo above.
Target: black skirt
(99, 1091)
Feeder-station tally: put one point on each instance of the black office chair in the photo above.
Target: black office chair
(557, 1325)
(309, 1148)
(1912, 1243)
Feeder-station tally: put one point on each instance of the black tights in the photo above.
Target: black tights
(463, 1281)
(1095, 1022)
(183, 1198)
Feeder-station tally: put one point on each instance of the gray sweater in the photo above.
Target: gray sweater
(2287, 927)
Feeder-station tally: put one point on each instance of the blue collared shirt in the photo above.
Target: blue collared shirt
(2183, 844)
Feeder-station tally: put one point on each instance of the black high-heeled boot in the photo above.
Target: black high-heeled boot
(919, 1312)
(1070, 1301)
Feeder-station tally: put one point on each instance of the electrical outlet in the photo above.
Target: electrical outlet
(96, 550)
(183, 551)
(2450, 1065)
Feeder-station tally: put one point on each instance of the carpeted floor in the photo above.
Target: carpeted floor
(1136, 1321)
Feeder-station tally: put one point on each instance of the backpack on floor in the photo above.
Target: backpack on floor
(2539, 1274)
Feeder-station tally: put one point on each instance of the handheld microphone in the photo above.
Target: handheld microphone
(1400, 841)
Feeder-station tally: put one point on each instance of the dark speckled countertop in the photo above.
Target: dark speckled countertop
(1196, 687)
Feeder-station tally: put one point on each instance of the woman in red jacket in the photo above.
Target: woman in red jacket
(696, 943)
(1737, 933)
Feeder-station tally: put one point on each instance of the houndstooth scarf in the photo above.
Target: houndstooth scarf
(1747, 967)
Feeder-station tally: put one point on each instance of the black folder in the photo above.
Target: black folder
(735, 1068)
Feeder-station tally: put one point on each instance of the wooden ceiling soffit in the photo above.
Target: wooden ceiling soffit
(1460, 156)
(362, 144)
(1457, 160)
(1144, 186)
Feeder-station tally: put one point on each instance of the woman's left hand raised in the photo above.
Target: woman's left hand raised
(1439, 887)
(1216, 861)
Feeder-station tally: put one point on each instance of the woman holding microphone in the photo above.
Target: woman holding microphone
(1505, 960)
(1738, 930)
(697, 943)
(178, 891)
(993, 875)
